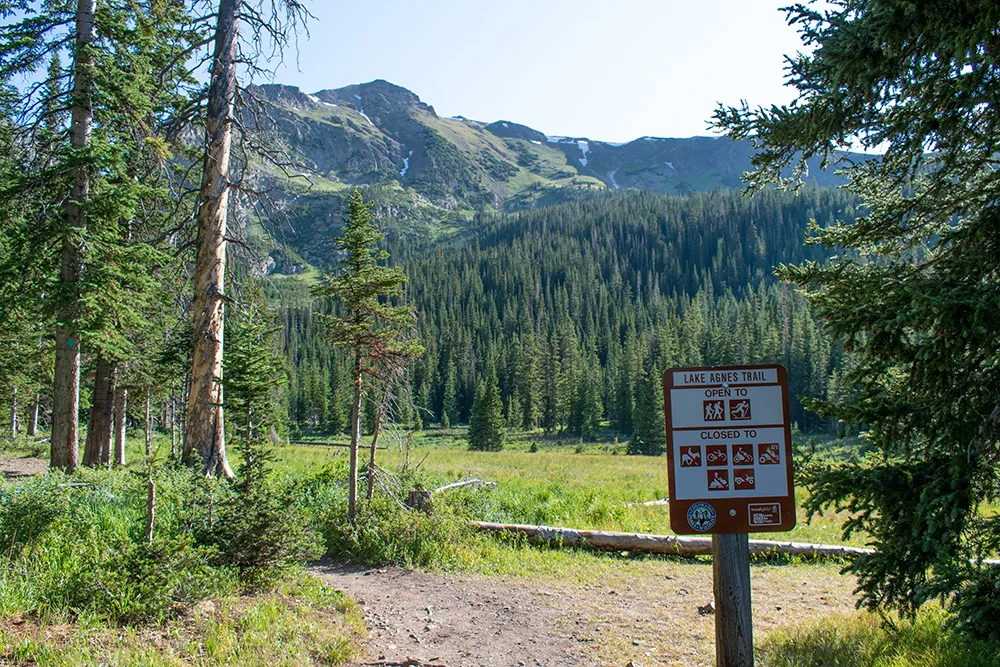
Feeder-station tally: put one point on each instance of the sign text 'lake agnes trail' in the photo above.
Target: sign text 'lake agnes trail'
(729, 450)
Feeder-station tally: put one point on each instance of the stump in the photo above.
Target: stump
(419, 499)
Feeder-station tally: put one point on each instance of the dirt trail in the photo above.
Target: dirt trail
(647, 613)
(12, 467)
(419, 618)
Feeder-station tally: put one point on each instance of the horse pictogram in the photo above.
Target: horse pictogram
(691, 456)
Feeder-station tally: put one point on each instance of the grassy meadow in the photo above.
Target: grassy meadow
(564, 483)
(803, 613)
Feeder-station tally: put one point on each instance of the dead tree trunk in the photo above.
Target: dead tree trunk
(149, 423)
(99, 429)
(121, 423)
(66, 382)
(13, 412)
(33, 416)
(380, 415)
(352, 476)
(205, 430)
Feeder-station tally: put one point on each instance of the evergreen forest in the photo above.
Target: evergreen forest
(581, 307)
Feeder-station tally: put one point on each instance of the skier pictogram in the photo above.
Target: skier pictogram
(718, 480)
(716, 455)
(739, 409)
(690, 456)
(743, 478)
(768, 453)
(714, 411)
(743, 455)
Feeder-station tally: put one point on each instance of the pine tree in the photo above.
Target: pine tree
(649, 437)
(372, 329)
(486, 425)
(913, 292)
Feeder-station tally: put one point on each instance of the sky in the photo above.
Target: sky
(610, 70)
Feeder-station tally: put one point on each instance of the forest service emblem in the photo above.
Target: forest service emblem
(701, 516)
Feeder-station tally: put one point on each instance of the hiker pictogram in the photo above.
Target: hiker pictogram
(739, 409)
(743, 455)
(743, 478)
(768, 453)
(714, 411)
(718, 480)
(716, 455)
(691, 457)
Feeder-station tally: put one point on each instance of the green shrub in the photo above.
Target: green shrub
(258, 532)
(385, 533)
(30, 508)
(150, 582)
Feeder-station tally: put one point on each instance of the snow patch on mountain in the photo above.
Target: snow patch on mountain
(312, 98)
(584, 147)
(611, 177)
(406, 165)
(559, 140)
(669, 164)
(361, 110)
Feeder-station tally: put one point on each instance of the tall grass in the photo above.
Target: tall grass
(863, 640)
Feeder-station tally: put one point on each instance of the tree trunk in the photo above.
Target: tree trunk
(33, 416)
(13, 413)
(149, 424)
(371, 453)
(352, 480)
(66, 382)
(173, 423)
(100, 427)
(205, 431)
(121, 419)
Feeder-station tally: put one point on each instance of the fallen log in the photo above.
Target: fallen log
(672, 545)
(475, 483)
(659, 544)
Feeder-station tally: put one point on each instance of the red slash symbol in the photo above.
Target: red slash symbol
(767, 453)
(718, 480)
(690, 457)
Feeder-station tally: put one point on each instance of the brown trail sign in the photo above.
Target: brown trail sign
(729, 461)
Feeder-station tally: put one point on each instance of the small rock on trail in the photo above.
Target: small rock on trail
(420, 618)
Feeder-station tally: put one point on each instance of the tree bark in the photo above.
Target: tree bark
(13, 413)
(352, 478)
(66, 382)
(121, 419)
(380, 415)
(205, 430)
(99, 429)
(149, 424)
(33, 416)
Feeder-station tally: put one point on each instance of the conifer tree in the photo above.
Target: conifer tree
(371, 328)
(913, 292)
(486, 424)
(649, 437)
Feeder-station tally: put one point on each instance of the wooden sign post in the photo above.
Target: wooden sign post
(729, 461)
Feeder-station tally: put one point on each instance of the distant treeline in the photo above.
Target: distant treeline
(581, 307)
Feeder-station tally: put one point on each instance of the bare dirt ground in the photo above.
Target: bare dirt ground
(644, 612)
(14, 467)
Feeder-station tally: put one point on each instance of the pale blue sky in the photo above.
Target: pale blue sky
(611, 70)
